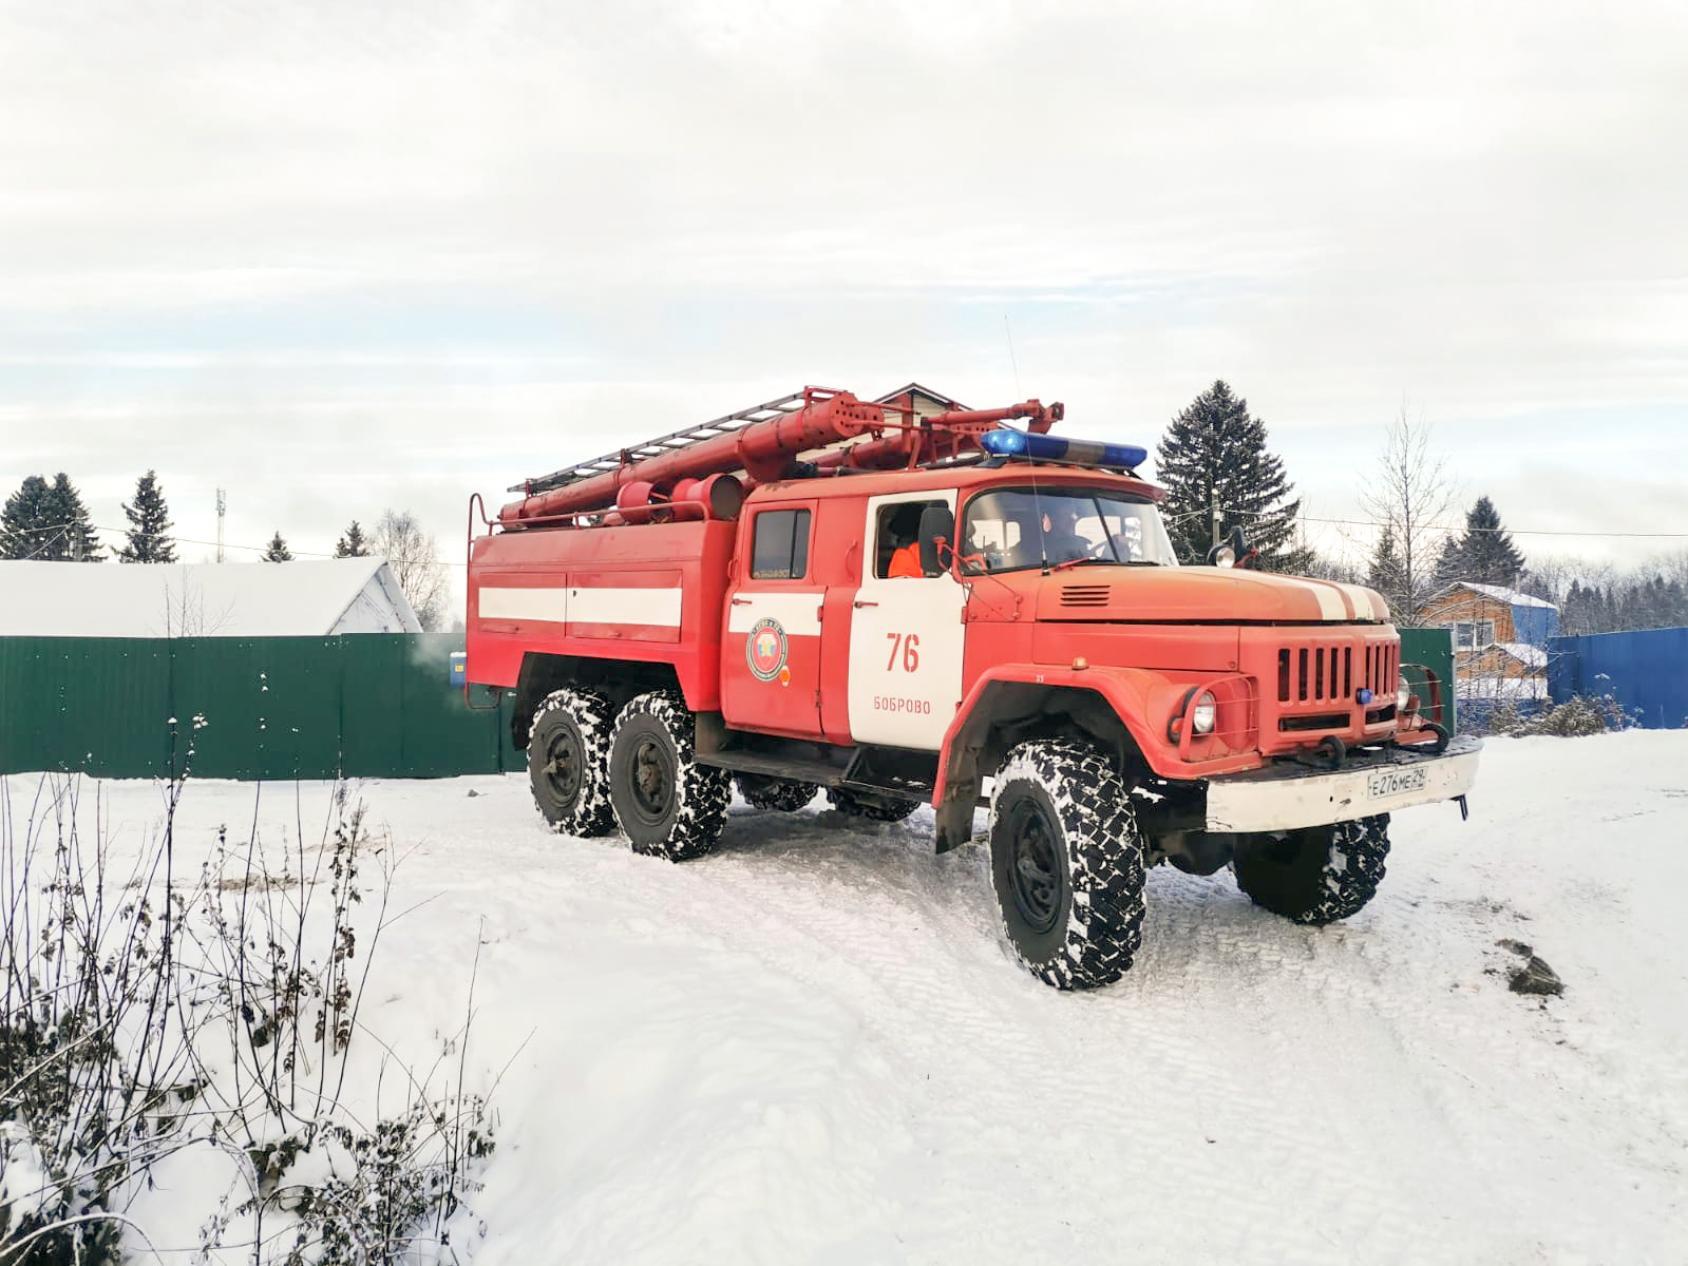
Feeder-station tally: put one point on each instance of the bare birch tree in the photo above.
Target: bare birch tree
(1409, 502)
(415, 560)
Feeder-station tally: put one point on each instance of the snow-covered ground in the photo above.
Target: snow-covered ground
(814, 1047)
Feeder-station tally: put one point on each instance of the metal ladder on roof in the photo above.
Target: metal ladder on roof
(674, 440)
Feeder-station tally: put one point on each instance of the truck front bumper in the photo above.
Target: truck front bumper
(1286, 796)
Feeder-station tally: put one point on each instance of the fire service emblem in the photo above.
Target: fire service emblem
(765, 649)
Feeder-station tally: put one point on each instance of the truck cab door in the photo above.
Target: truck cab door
(906, 635)
(771, 646)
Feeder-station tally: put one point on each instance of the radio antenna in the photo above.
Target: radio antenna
(1012, 359)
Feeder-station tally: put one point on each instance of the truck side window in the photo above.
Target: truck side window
(896, 548)
(780, 548)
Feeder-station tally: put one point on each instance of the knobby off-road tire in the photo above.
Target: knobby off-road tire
(1316, 875)
(876, 808)
(1067, 864)
(569, 762)
(668, 804)
(784, 794)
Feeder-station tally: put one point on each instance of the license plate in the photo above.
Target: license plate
(1389, 782)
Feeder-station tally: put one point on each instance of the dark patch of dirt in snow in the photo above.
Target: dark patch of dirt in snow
(1533, 976)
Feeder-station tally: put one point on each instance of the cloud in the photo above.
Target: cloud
(337, 257)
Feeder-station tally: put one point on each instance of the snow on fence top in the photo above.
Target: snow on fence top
(309, 599)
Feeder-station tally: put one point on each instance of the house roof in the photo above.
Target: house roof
(935, 396)
(300, 598)
(1512, 597)
(1524, 653)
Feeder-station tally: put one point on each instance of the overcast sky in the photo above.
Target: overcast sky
(336, 257)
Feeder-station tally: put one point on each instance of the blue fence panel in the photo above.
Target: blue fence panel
(1535, 625)
(1646, 671)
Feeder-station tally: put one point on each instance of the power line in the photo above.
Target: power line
(1443, 527)
(181, 540)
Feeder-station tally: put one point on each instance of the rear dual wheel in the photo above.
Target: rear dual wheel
(667, 803)
(568, 762)
(592, 769)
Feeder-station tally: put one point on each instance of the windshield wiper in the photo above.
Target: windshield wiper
(1101, 562)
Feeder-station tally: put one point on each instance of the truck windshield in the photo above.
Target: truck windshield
(1009, 529)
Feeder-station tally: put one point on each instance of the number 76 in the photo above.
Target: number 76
(905, 646)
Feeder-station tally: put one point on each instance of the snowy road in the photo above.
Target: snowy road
(813, 1047)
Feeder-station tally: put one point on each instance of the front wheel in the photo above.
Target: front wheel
(1318, 874)
(668, 804)
(1067, 864)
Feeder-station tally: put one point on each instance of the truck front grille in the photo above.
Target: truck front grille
(1335, 673)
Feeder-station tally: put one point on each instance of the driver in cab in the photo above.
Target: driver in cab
(1061, 541)
(905, 558)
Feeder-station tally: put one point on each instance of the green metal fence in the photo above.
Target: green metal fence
(1434, 648)
(371, 705)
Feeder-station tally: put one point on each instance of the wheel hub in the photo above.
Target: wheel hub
(562, 769)
(1034, 871)
(653, 780)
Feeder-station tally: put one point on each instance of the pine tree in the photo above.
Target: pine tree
(352, 544)
(48, 521)
(1215, 452)
(24, 529)
(64, 502)
(1484, 554)
(149, 525)
(1387, 574)
(276, 551)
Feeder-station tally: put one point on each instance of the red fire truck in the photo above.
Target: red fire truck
(903, 606)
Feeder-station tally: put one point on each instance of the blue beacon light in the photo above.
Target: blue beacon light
(1007, 442)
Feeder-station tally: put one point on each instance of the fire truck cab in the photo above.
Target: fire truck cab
(952, 611)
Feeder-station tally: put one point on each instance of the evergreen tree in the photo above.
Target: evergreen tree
(24, 526)
(1484, 553)
(276, 551)
(1387, 574)
(63, 505)
(149, 525)
(352, 544)
(48, 521)
(1215, 452)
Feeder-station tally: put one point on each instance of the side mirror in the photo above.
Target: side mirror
(937, 523)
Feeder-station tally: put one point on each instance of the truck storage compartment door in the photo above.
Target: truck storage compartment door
(771, 651)
(906, 633)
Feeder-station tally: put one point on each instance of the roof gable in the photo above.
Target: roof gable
(921, 393)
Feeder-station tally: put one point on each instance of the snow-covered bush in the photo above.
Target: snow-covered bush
(1578, 716)
(219, 1014)
(96, 1062)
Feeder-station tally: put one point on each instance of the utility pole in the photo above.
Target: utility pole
(222, 509)
(1214, 494)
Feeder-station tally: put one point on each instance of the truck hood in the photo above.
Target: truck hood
(1210, 594)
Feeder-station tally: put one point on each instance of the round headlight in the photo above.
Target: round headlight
(1203, 714)
(1403, 692)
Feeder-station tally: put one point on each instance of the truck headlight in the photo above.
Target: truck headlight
(1203, 714)
(1403, 693)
